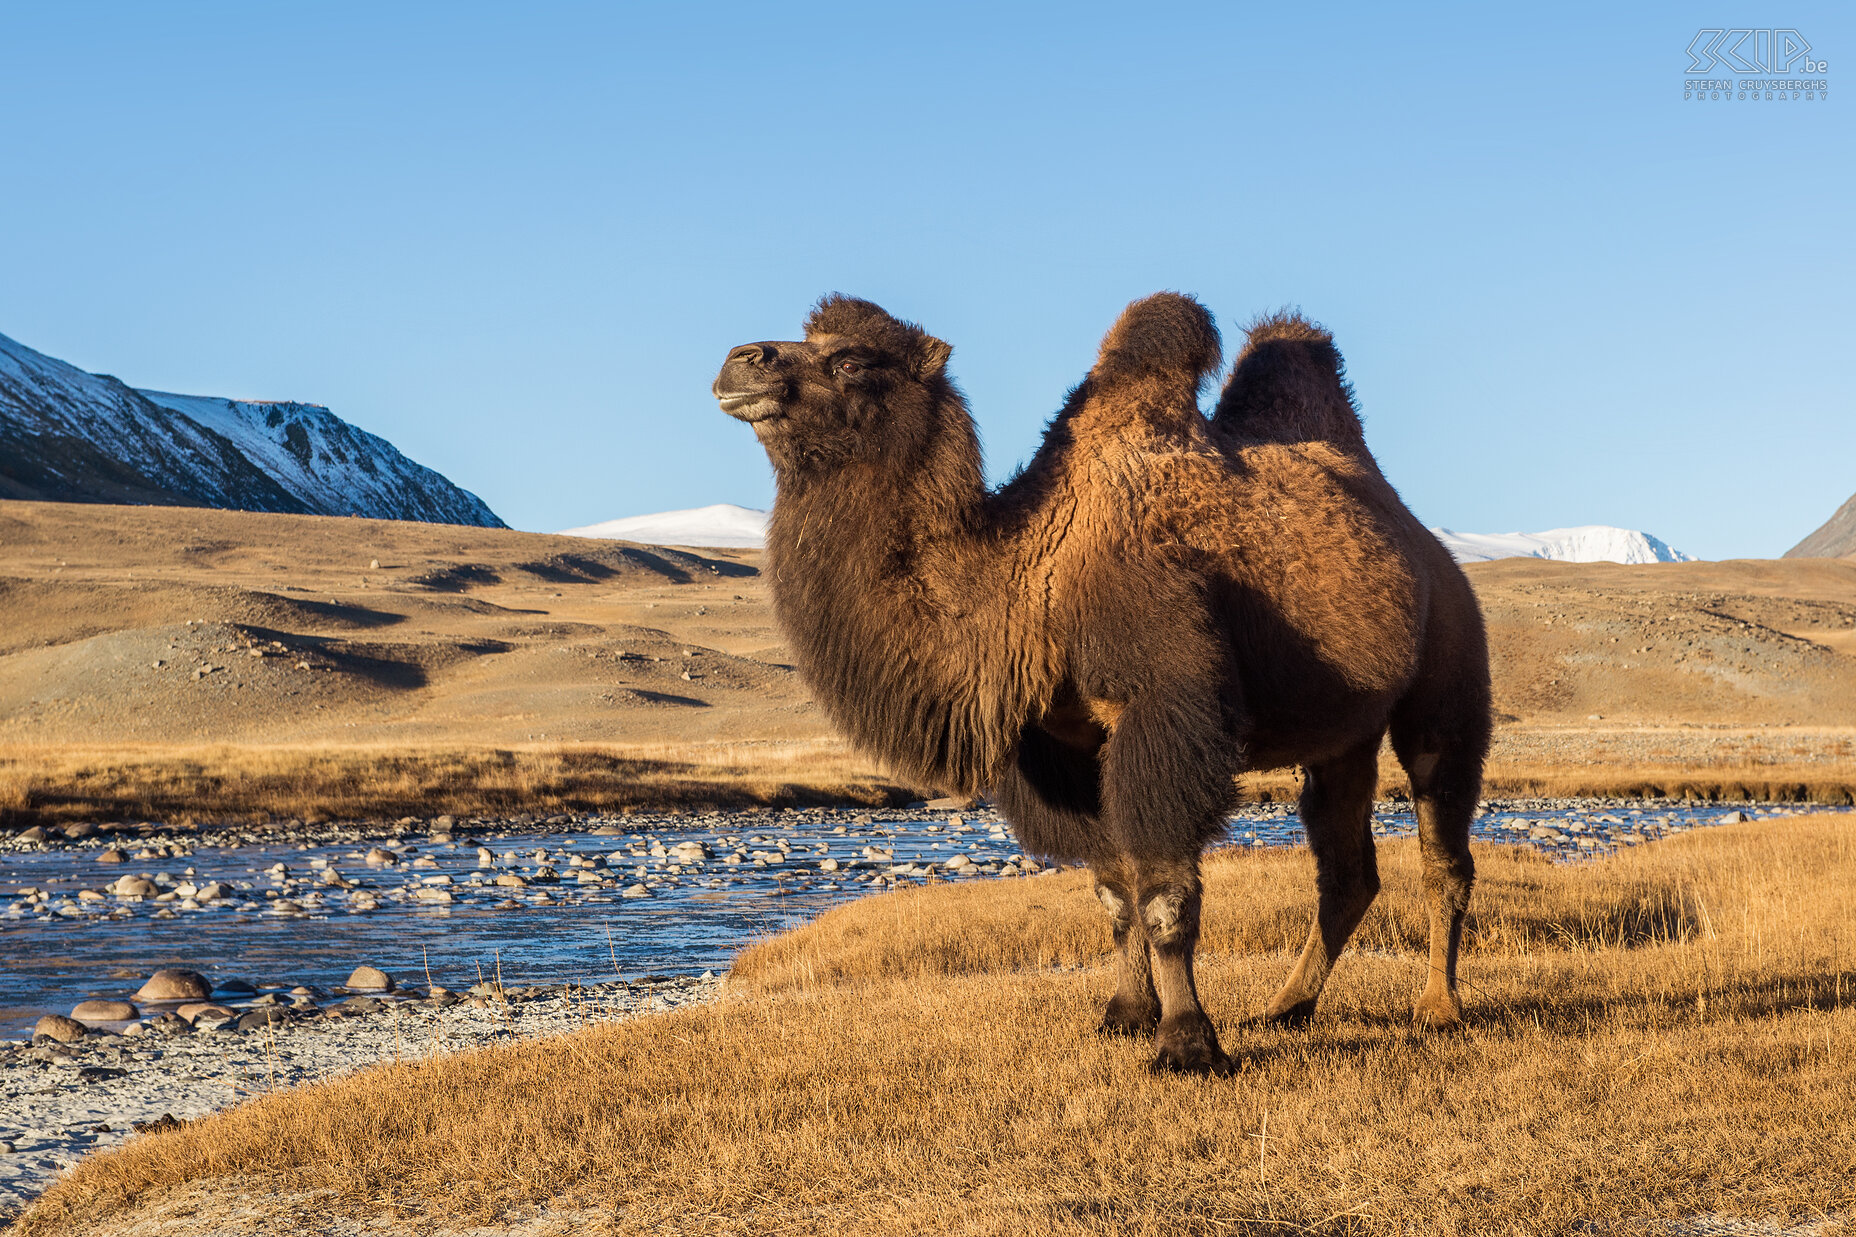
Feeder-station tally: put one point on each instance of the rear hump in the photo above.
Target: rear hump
(1289, 385)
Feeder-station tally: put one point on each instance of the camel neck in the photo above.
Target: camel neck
(873, 580)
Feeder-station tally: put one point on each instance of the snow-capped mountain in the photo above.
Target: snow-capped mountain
(1588, 543)
(72, 436)
(723, 524)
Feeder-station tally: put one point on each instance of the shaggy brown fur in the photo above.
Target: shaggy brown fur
(1156, 603)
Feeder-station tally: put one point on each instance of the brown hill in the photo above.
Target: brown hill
(1835, 539)
(167, 660)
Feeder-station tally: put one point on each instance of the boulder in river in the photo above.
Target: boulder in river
(205, 1011)
(112, 855)
(369, 979)
(381, 858)
(134, 887)
(34, 834)
(100, 1010)
(175, 985)
(57, 1026)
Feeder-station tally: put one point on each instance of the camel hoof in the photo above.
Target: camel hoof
(1296, 1015)
(1209, 1064)
(1131, 1021)
(1437, 1014)
(1191, 1048)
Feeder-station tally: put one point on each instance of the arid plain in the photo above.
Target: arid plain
(173, 662)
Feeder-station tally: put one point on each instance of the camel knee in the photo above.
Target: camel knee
(1170, 918)
(1116, 906)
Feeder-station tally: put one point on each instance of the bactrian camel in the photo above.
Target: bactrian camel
(1158, 602)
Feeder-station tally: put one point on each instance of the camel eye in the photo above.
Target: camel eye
(849, 367)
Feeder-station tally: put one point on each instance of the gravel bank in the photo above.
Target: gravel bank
(60, 1101)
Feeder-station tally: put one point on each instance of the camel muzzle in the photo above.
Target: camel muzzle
(745, 388)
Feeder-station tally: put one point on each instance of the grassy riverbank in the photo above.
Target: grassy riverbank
(1663, 1033)
(50, 785)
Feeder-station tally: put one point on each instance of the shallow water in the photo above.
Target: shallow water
(60, 949)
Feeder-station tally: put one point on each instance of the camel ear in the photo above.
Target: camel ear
(931, 356)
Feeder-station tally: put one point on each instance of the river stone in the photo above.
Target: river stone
(369, 979)
(381, 858)
(234, 987)
(79, 832)
(509, 880)
(258, 1019)
(34, 834)
(175, 985)
(57, 1026)
(134, 887)
(104, 1011)
(195, 1011)
(112, 855)
(1734, 818)
(635, 891)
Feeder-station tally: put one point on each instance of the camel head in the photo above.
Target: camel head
(860, 386)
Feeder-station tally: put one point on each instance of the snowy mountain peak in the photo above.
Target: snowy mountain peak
(70, 436)
(726, 525)
(721, 525)
(1588, 543)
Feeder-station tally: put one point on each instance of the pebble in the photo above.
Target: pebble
(267, 1016)
(100, 1010)
(60, 1028)
(175, 985)
(112, 855)
(369, 979)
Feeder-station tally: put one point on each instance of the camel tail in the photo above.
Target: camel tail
(1167, 338)
(1289, 384)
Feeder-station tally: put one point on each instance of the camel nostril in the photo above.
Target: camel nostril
(752, 354)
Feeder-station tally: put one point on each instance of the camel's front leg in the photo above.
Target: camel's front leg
(1135, 1007)
(1169, 912)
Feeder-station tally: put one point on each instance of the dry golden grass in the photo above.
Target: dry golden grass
(48, 784)
(320, 783)
(1667, 1032)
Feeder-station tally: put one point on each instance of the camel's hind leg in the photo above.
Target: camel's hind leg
(1446, 782)
(1337, 814)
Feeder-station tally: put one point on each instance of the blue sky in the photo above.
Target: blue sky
(518, 240)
